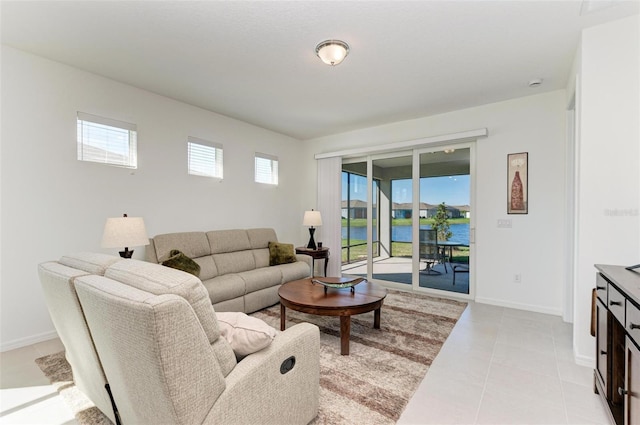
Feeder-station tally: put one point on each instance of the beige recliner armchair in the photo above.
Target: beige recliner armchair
(57, 279)
(157, 339)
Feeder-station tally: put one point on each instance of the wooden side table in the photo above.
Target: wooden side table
(315, 254)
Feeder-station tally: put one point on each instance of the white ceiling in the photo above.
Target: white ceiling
(255, 61)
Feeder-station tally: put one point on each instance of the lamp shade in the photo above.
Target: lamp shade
(124, 232)
(332, 52)
(312, 218)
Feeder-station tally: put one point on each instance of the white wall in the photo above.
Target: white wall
(608, 162)
(53, 204)
(533, 247)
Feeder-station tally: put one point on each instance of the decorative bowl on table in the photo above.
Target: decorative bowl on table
(337, 282)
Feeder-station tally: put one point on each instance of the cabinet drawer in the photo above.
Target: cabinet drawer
(633, 322)
(616, 303)
(601, 288)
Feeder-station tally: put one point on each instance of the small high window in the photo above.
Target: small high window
(107, 141)
(205, 158)
(266, 169)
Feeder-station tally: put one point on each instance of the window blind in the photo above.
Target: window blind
(266, 169)
(205, 158)
(106, 141)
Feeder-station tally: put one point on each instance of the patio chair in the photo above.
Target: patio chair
(429, 250)
(459, 269)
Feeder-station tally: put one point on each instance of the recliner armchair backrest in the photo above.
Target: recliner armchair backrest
(57, 280)
(157, 279)
(162, 370)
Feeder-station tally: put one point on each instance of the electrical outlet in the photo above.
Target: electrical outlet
(504, 223)
(517, 278)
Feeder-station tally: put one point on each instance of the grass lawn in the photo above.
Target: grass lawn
(399, 249)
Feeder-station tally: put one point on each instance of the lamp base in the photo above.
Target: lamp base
(312, 243)
(126, 253)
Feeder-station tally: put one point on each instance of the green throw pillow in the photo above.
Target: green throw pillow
(178, 260)
(281, 253)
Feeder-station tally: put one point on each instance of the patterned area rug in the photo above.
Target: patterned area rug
(371, 385)
(56, 368)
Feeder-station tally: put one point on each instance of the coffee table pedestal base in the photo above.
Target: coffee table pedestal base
(345, 327)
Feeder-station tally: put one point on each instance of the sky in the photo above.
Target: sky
(452, 190)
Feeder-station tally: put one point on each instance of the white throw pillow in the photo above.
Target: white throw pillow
(246, 334)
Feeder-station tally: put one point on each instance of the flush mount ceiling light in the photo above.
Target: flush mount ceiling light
(332, 52)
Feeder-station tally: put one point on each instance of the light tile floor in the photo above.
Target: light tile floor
(25, 394)
(498, 366)
(506, 366)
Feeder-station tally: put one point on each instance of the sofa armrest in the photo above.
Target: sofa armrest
(150, 254)
(305, 259)
(258, 392)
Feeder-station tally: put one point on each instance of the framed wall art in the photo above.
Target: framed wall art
(517, 183)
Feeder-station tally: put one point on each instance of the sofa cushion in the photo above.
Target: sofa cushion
(281, 253)
(178, 260)
(193, 244)
(261, 257)
(225, 287)
(222, 241)
(208, 267)
(257, 279)
(294, 271)
(245, 334)
(260, 238)
(260, 299)
(234, 262)
(89, 262)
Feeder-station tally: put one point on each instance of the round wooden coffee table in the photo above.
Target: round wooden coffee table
(307, 297)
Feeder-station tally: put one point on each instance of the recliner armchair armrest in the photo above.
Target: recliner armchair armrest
(261, 390)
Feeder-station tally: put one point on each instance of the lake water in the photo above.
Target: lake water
(403, 233)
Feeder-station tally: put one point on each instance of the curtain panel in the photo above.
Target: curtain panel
(330, 206)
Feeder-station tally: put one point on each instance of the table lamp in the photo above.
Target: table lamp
(124, 231)
(312, 218)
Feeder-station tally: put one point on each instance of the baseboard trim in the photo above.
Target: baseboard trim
(23, 342)
(519, 306)
(586, 361)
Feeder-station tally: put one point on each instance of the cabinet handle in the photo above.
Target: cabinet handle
(601, 288)
(634, 326)
(602, 352)
(622, 391)
(615, 302)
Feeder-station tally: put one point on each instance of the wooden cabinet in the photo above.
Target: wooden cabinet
(632, 411)
(617, 372)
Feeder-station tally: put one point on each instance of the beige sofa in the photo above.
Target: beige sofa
(234, 265)
(150, 334)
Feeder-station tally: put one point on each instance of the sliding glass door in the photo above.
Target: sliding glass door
(394, 264)
(407, 219)
(445, 216)
(355, 213)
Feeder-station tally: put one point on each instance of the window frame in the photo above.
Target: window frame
(111, 128)
(218, 158)
(274, 168)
